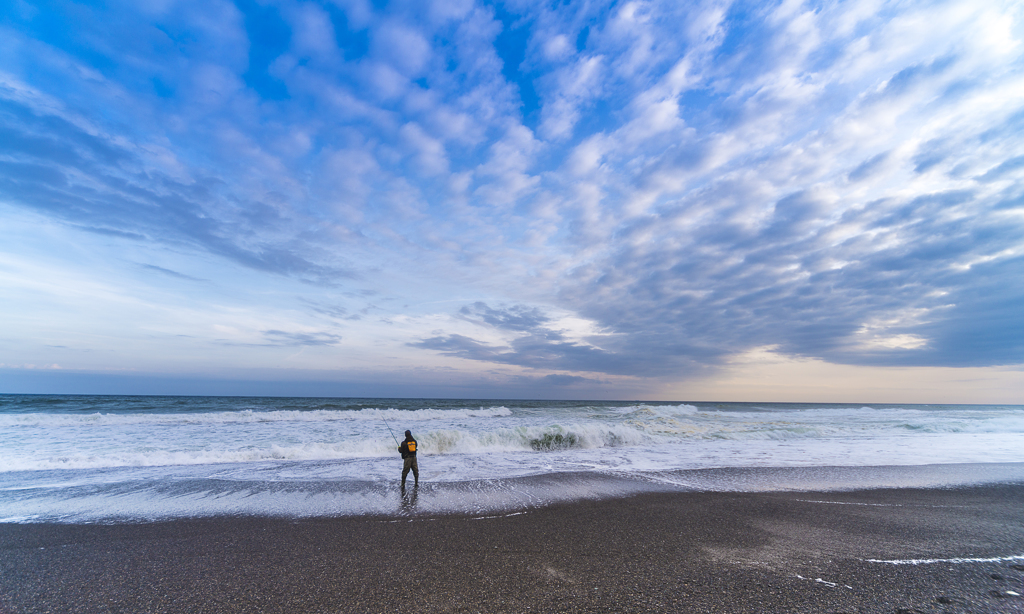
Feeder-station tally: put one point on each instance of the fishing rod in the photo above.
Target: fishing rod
(390, 431)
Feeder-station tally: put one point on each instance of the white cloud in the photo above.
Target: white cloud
(452, 125)
(587, 156)
(403, 48)
(347, 179)
(387, 83)
(358, 12)
(508, 166)
(312, 32)
(449, 10)
(630, 27)
(573, 87)
(428, 153)
(557, 48)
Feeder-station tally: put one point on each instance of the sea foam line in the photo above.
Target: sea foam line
(825, 582)
(998, 559)
(852, 503)
(872, 504)
(498, 516)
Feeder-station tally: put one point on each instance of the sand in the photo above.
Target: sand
(676, 552)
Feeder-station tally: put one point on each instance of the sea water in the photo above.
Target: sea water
(116, 458)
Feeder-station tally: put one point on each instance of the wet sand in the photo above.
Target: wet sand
(664, 552)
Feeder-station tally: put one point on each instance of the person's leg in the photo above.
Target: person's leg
(416, 471)
(405, 469)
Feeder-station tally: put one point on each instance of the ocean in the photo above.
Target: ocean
(89, 459)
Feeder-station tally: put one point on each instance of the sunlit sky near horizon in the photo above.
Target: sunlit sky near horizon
(777, 201)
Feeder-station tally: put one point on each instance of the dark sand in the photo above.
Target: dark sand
(681, 552)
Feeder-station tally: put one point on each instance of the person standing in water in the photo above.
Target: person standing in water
(408, 451)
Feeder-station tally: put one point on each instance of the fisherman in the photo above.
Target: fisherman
(408, 451)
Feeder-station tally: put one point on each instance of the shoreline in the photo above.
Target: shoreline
(807, 551)
(147, 495)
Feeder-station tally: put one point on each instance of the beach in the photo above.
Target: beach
(875, 550)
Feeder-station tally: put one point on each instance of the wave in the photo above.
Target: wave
(160, 458)
(249, 416)
(436, 442)
(33, 441)
(681, 409)
(534, 439)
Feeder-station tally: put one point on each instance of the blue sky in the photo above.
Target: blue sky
(674, 200)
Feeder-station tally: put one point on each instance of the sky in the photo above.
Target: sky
(706, 200)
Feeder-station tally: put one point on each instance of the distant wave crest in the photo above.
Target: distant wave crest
(248, 416)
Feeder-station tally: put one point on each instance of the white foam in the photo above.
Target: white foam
(954, 561)
(855, 503)
(821, 581)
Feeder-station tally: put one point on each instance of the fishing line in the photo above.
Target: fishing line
(389, 430)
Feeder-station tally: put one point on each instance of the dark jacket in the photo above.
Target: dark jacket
(406, 450)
